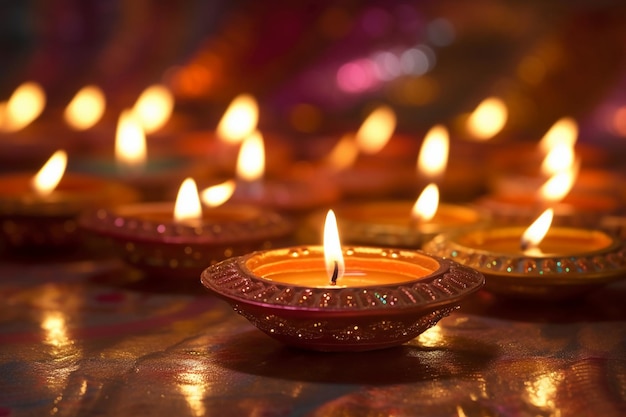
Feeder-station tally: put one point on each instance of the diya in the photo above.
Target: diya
(179, 240)
(341, 299)
(537, 262)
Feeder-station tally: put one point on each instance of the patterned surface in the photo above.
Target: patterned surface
(90, 338)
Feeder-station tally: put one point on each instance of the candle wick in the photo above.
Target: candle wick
(333, 279)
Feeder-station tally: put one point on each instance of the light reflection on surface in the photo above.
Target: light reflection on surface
(63, 349)
(193, 386)
(542, 391)
(431, 337)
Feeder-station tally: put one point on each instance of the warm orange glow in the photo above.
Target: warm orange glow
(130, 142)
(376, 130)
(25, 105)
(50, 174)
(532, 237)
(344, 154)
(251, 158)
(333, 256)
(560, 158)
(433, 156)
(154, 107)
(564, 131)
(86, 108)
(559, 185)
(488, 119)
(187, 205)
(218, 194)
(239, 120)
(425, 206)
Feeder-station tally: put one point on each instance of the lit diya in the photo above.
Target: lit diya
(288, 195)
(180, 239)
(537, 262)
(155, 176)
(341, 299)
(39, 212)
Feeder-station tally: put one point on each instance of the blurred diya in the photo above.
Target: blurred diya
(180, 240)
(39, 212)
(407, 224)
(292, 195)
(569, 208)
(157, 177)
(538, 262)
(341, 299)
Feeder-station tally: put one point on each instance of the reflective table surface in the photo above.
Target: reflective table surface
(93, 338)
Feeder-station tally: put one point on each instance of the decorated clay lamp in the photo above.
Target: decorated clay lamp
(341, 298)
(404, 223)
(525, 198)
(295, 196)
(537, 262)
(155, 176)
(179, 240)
(356, 165)
(39, 212)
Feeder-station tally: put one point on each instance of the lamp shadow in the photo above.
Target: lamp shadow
(255, 353)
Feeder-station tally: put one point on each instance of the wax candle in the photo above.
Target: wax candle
(163, 239)
(341, 299)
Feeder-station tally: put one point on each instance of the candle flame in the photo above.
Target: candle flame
(25, 105)
(376, 130)
(86, 108)
(343, 154)
(154, 107)
(130, 142)
(426, 205)
(251, 158)
(218, 194)
(488, 119)
(537, 230)
(560, 158)
(333, 256)
(557, 187)
(433, 156)
(239, 120)
(565, 130)
(187, 205)
(50, 174)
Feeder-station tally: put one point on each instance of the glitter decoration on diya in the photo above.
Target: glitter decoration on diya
(341, 299)
(179, 240)
(540, 262)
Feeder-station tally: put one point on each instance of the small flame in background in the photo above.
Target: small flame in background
(187, 205)
(130, 142)
(239, 120)
(433, 156)
(218, 194)
(154, 107)
(534, 234)
(251, 158)
(50, 174)
(376, 130)
(426, 205)
(488, 119)
(86, 108)
(23, 107)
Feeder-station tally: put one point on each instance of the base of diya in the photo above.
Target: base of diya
(32, 225)
(342, 318)
(147, 239)
(570, 273)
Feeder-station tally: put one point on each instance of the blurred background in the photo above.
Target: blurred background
(318, 67)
